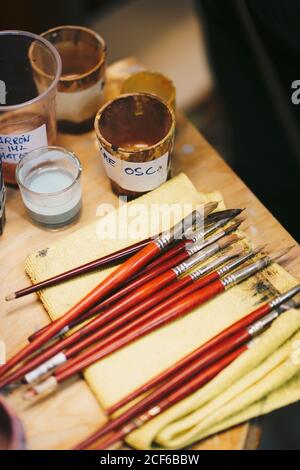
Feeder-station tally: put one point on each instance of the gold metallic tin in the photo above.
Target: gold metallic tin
(80, 88)
(136, 135)
(151, 82)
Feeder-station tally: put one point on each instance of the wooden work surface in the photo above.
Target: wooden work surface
(60, 421)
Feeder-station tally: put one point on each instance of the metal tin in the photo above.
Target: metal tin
(151, 82)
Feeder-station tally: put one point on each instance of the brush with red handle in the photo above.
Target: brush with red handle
(229, 332)
(108, 260)
(53, 355)
(166, 402)
(170, 256)
(192, 364)
(177, 310)
(112, 282)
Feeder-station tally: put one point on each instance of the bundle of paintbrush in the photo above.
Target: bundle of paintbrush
(189, 374)
(137, 308)
(121, 275)
(177, 254)
(182, 302)
(114, 258)
(137, 301)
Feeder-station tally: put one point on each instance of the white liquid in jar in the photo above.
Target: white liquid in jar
(50, 180)
(54, 200)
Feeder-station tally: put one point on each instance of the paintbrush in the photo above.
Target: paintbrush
(113, 281)
(176, 396)
(248, 326)
(166, 261)
(177, 310)
(108, 260)
(95, 329)
(191, 365)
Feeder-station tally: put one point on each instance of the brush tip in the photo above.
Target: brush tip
(258, 249)
(228, 240)
(234, 226)
(236, 250)
(279, 255)
(10, 297)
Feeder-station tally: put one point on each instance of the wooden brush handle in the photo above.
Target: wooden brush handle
(218, 339)
(134, 312)
(116, 278)
(240, 324)
(174, 382)
(179, 309)
(170, 371)
(181, 393)
(171, 253)
(96, 325)
(117, 256)
(166, 255)
(144, 292)
(140, 281)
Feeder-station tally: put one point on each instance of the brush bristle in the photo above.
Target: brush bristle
(236, 250)
(228, 240)
(210, 206)
(234, 226)
(279, 255)
(10, 297)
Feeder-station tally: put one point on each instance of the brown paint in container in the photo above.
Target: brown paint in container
(80, 88)
(136, 136)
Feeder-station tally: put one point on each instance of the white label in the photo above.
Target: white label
(80, 105)
(136, 176)
(14, 147)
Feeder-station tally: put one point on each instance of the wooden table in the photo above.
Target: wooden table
(60, 421)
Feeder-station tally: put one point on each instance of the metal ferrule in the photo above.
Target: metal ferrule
(195, 259)
(142, 419)
(44, 368)
(62, 332)
(209, 267)
(201, 234)
(244, 273)
(287, 306)
(195, 218)
(284, 297)
(235, 263)
(193, 248)
(209, 240)
(162, 241)
(262, 324)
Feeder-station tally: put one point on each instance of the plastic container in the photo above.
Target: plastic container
(30, 70)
